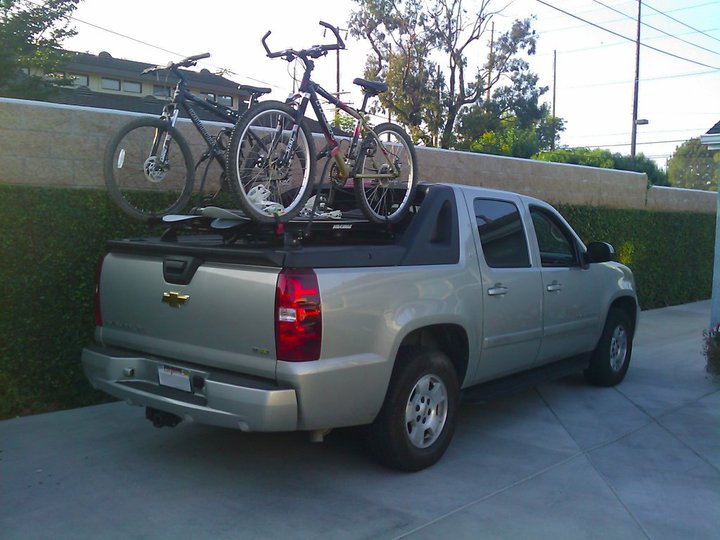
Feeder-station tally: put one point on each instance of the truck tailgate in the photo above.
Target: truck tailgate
(223, 317)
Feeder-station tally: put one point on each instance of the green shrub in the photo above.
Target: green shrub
(670, 253)
(51, 239)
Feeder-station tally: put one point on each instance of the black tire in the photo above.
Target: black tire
(394, 438)
(250, 164)
(383, 200)
(610, 360)
(138, 186)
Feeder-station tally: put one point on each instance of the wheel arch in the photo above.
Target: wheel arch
(627, 304)
(450, 339)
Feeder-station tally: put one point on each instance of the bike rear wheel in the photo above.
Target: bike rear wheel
(381, 197)
(269, 186)
(139, 183)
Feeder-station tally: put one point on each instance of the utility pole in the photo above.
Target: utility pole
(554, 78)
(490, 63)
(337, 75)
(633, 139)
(552, 144)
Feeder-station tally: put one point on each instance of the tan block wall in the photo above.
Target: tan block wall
(51, 144)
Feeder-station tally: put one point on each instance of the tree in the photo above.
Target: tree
(694, 166)
(30, 38)
(421, 48)
(606, 160)
(512, 123)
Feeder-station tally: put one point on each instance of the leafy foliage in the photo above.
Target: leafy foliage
(484, 129)
(694, 166)
(30, 38)
(648, 242)
(424, 94)
(606, 160)
(50, 243)
(344, 122)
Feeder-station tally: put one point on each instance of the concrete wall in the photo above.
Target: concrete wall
(51, 144)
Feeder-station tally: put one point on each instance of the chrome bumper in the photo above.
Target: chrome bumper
(215, 398)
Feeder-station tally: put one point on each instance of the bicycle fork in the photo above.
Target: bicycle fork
(165, 149)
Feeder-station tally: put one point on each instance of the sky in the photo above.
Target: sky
(679, 81)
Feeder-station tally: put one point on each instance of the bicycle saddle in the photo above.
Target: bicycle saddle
(258, 90)
(373, 87)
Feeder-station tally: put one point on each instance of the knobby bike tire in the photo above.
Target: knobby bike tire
(267, 192)
(383, 200)
(140, 190)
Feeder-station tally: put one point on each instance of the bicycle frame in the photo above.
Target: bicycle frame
(182, 98)
(309, 91)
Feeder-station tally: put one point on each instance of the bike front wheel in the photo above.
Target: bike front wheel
(385, 185)
(271, 182)
(149, 169)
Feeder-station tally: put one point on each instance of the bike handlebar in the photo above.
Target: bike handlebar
(185, 62)
(316, 51)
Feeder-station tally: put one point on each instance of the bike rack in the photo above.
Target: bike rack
(233, 227)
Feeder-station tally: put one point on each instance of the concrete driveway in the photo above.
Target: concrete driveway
(561, 461)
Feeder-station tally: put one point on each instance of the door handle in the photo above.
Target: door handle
(497, 290)
(554, 287)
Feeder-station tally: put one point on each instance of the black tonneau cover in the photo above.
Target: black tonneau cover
(428, 236)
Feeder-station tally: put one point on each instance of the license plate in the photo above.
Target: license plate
(174, 378)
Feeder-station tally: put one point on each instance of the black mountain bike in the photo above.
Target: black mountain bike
(149, 168)
(272, 159)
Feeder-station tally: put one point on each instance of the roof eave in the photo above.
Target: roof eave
(712, 140)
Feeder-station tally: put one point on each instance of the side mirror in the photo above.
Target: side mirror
(599, 252)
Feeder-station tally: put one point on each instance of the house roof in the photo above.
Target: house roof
(85, 97)
(712, 137)
(105, 64)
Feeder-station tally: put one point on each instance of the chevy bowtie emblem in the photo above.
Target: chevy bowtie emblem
(175, 299)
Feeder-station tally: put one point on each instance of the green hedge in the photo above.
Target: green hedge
(50, 242)
(51, 239)
(670, 253)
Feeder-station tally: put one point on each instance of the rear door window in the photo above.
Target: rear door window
(502, 234)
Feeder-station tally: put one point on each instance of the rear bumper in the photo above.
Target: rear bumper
(215, 398)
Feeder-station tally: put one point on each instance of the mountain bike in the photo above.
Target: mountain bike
(148, 166)
(272, 160)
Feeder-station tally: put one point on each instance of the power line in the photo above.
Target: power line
(628, 144)
(657, 29)
(603, 46)
(680, 22)
(627, 38)
(147, 44)
(648, 79)
(656, 132)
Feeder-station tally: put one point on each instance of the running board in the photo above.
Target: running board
(521, 382)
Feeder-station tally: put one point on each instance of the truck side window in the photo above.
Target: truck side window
(501, 234)
(556, 247)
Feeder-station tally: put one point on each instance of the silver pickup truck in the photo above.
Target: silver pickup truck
(230, 325)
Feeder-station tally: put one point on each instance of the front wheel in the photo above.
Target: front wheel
(417, 419)
(270, 182)
(611, 358)
(385, 185)
(148, 168)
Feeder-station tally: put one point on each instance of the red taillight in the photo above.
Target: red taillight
(298, 317)
(98, 272)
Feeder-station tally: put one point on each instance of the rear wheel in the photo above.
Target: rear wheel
(270, 185)
(417, 419)
(139, 180)
(382, 196)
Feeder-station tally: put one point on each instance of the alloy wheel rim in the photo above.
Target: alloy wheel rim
(618, 348)
(426, 411)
